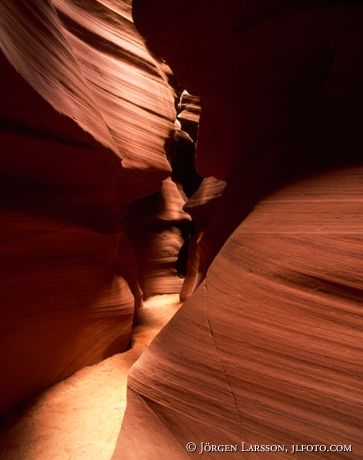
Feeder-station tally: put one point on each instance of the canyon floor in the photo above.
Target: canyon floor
(80, 417)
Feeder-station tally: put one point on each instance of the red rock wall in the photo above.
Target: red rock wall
(272, 108)
(155, 225)
(268, 349)
(84, 113)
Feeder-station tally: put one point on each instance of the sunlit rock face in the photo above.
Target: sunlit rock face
(276, 101)
(201, 206)
(267, 350)
(156, 225)
(85, 113)
(181, 151)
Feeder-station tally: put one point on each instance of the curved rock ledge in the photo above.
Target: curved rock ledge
(85, 112)
(268, 350)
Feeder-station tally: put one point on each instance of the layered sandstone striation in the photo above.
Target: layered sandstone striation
(106, 197)
(85, 113)
(272, 108)
(157, 225)
(267, 349)
(80, 416)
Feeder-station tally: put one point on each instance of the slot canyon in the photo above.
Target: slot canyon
(181, 215)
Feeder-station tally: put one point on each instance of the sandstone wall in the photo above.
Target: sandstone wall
(267, 350)
(85, 112)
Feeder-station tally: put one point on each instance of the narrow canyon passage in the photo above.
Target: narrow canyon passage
(80, 417)
(192, 172)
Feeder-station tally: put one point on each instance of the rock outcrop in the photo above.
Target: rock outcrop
(156, 228)
(85, 112)
(276, 102)
(268, 349)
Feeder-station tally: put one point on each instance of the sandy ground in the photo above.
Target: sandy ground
(80, 418)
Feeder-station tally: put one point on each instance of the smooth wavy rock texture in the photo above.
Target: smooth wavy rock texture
(276, 102)
(268, 350)
(85, 112)
(189, 114)
(86, 59)
(80, 416)
(201, 206)
(270, 93)
(202, 203)
(63, 303)
(155, 225)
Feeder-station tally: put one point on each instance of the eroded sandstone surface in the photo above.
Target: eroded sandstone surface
(85, 113)
(268, 349)
(103, 204)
